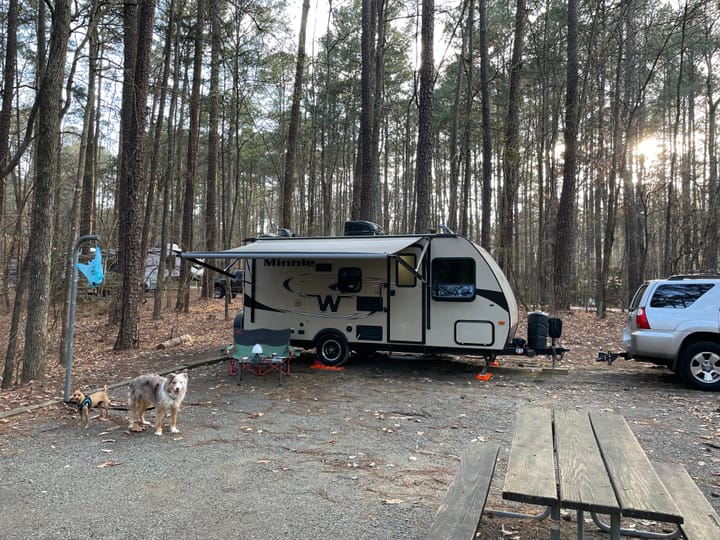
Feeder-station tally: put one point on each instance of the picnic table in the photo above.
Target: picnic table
(592, 462)
(586, 461)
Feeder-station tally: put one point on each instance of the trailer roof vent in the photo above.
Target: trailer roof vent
(362, 228)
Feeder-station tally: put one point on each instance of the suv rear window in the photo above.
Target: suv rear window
(678, 295)
(635, 302)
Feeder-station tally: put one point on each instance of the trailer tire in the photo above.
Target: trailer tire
(332, 349)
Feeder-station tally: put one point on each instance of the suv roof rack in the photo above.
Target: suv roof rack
(693, 276)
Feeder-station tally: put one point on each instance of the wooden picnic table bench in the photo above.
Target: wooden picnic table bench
(460, 511)
(592, 462)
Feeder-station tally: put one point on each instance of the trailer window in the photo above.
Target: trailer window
(349, 280)
(453, 279)
(405, 277)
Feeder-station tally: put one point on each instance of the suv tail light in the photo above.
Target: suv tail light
(641, 319)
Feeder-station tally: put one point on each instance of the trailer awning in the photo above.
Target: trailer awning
(346, 247)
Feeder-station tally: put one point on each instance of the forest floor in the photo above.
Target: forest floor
(366, 452)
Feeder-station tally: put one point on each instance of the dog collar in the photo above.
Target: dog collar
(87, 402)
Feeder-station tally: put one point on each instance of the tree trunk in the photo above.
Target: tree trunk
(455, 156)
(286, 219)
(633, 240)
(215, 14)
(565, 228)
(7, 93)
(712, 229)
(85, 166)
(486, 211)
(38, 260)
(183, 294)
(154, 164)
(138, 23)
(467, 150)
(169, 174)
(87, 203)
(375, 201)
(365, 197)
(12, 343)
(511, 157)
(423, 177)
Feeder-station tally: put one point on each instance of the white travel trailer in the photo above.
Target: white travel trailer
(172, 265)
(429, 293)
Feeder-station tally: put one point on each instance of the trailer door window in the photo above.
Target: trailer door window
(453, 279)
(406, 277)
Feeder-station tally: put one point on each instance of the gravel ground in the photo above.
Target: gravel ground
(363, 453)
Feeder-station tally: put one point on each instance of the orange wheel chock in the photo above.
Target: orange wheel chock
(319, 365)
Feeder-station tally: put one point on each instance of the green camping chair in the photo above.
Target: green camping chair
(260, 351)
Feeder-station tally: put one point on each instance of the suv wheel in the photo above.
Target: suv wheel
(219, 292)
(700, 365)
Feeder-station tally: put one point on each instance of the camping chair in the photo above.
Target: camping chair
(260, 351)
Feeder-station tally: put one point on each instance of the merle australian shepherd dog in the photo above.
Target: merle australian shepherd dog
(163, 393)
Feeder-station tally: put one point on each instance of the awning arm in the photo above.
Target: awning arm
(416, 270)
(420, 260)
(211, 267)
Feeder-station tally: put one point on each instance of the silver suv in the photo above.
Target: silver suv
(676, 322)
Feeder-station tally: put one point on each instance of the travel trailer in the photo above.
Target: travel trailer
(427, 293)
(172, 266)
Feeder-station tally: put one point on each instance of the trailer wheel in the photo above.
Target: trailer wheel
(332, 349)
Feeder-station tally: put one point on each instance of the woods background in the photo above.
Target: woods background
(575, 140)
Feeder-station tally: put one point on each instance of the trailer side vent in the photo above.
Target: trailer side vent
(369, 333)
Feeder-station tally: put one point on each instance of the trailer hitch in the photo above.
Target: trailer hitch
(610, 357)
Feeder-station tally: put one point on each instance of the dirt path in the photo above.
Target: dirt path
(367, 452)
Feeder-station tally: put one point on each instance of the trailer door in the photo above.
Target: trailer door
(405, 303)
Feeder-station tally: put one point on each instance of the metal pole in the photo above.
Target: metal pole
(71, 314)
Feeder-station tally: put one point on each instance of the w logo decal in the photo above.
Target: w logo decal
(332, 302)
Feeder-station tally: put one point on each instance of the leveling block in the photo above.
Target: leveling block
(485, 375)
(319, 365)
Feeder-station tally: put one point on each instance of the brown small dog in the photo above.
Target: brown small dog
(85, 403)
(163, 393)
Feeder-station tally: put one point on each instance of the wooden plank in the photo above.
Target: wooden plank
(583, 479)
(530, 473)
(701, 520)
(637, 486)
(460, 511)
